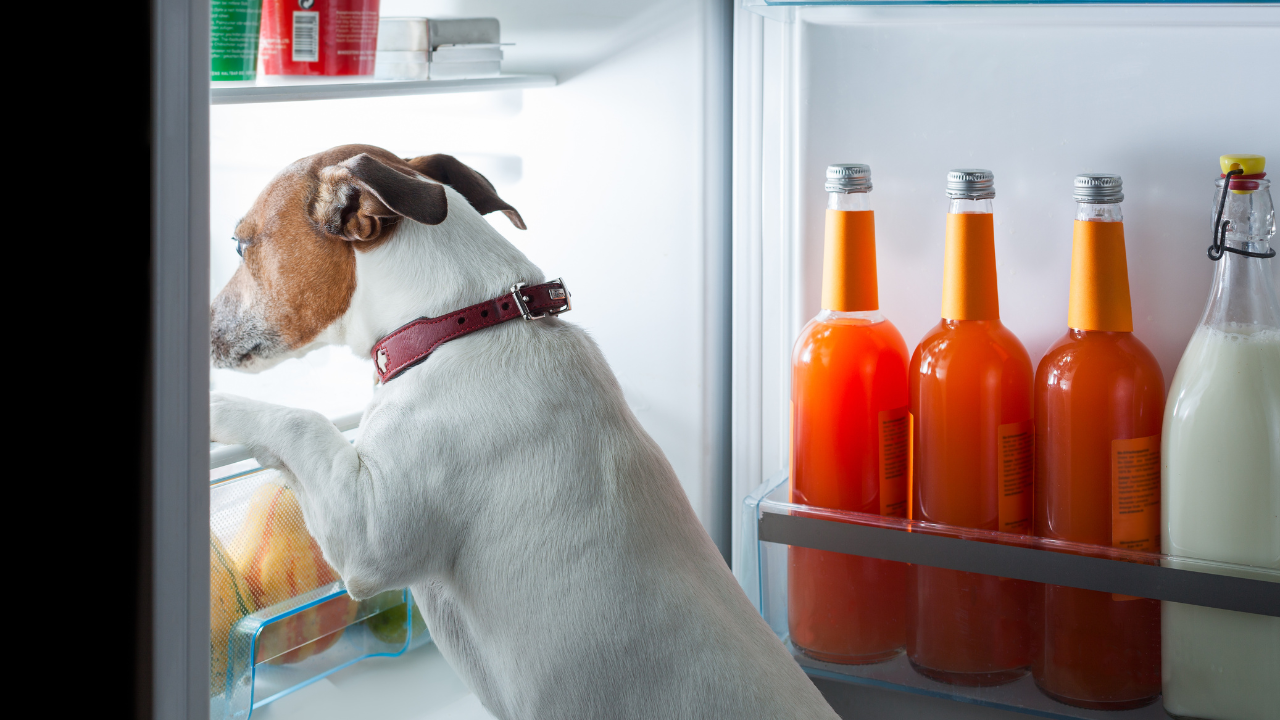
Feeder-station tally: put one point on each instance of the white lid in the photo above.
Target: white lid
(402, 34)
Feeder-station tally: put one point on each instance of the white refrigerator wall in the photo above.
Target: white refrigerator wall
(1035, 94)
(620, 172)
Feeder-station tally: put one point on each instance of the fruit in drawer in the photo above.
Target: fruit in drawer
(280, 561)
(389, 625)
(229, 600)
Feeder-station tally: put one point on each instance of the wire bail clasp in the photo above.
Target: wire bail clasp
(1220, 226)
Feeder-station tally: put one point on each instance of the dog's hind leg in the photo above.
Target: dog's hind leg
(450, 633)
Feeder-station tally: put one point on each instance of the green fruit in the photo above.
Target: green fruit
(389, 625)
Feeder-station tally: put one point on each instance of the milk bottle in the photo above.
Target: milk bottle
(1221, 456)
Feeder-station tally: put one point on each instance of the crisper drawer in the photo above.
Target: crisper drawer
(1042, 627)
(280, 616)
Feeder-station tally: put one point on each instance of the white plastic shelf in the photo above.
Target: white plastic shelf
(233, 93)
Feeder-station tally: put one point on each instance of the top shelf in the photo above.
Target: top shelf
(236, 93)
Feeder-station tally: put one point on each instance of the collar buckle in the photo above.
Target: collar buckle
(561, 293)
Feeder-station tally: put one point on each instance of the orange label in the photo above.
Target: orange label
(969, 268)
(911, 463)
(1016, 458)
(1135, 494)
(849, 262)
(895, 461)
(1099, 298)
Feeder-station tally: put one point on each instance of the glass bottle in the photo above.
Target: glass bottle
(970, 382)
(1221, 454)
(849, 440)
(1099, 400)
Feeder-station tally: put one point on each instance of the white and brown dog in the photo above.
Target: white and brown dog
(557, 561)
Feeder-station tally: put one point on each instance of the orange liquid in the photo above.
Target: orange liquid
(844, 608)
(1091, 388)
(968, 377)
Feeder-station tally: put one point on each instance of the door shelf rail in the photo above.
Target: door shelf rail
(773, 530)
(1190, 581)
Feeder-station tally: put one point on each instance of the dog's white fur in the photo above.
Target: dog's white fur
(557, 561)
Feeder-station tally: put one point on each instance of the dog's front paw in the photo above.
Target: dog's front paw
(232, 418)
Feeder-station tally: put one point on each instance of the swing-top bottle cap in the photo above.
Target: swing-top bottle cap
(1250, 164)
(970, 184)
(1099, 188)
(848, 178)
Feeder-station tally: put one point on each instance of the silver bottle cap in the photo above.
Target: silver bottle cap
(1099, 188)
(971, 184)
(848, 178)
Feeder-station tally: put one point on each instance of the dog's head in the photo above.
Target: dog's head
(300, 237)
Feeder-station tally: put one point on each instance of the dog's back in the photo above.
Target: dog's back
(582, 584)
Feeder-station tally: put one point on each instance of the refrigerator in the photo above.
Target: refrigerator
(681, 146)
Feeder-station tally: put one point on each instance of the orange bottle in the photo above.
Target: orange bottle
(849, 440)
(970, 382)
(1099, 397)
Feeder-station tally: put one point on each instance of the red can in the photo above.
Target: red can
(319, 37)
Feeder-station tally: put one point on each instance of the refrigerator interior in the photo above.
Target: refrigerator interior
(620, 171)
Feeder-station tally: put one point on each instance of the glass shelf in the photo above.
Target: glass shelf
(233, 93)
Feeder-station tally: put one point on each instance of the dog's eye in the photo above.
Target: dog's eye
(239, 245)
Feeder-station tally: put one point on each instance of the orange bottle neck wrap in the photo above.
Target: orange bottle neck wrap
(849, 262)
(969, 268)
(1099, 279)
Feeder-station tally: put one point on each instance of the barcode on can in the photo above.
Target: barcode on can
(306, 36)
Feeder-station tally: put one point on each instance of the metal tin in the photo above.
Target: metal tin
(1098, 188)
(848, 178)
(971, 184)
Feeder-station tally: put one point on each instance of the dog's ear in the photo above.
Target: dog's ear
(473, 186)
(362, 199)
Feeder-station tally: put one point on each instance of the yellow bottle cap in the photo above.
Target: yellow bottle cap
(1251, 164)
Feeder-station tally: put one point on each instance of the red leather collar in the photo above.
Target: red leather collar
(412, 343)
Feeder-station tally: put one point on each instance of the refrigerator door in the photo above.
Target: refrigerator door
(1037, 93)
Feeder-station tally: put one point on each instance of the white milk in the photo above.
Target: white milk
(1221, 501)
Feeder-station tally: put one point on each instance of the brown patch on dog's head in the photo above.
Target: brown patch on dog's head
(299, 241)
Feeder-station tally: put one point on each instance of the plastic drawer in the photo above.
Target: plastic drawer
(281, 619)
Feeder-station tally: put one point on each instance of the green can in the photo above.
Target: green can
(234, 35)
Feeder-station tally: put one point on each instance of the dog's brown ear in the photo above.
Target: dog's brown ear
(473, 186)
(362, 199)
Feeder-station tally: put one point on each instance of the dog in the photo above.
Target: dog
(557, 562)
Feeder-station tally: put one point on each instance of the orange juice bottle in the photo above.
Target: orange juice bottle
(1099, 397)
(970, 382)
(849, 440)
